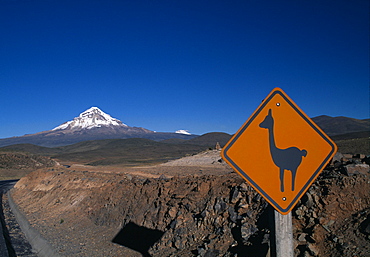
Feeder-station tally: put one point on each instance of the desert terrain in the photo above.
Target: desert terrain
(139, 197)
(192, 206)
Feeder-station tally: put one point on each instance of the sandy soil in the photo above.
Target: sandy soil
(206, 163)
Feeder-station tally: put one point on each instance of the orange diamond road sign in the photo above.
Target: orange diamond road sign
(280, 151)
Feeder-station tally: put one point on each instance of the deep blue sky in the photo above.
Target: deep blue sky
(197, 65)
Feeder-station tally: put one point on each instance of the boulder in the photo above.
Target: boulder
(354, 169)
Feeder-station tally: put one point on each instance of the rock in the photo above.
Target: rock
(208, 253)
(302, 238)
(179, 242)
(311, 222)
(266, 240)
(163, 177)
(247, 230)
(307, 199)
(337, 164)
(257, 198)
(218, 147)
(326, 228)
(220, 206)
(200, 217)
(243, 208)
(316, 200)
(337, 157)
(235, 195)
(172, 212)
(314, 214)
(313, 250)
(233, 215)
(147, 182)
(335, 239)
(173, 224)
(359, 156)
(331, 222)
(244, 187)
(346, 157)
(299, 213)
(354, 169)
(307, 254)
(212, 253)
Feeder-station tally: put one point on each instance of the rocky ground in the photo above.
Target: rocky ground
(195, 206)
(21, 160)
(14, 165)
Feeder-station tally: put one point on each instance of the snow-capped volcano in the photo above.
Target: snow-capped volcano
(92, 124)
(91, 118)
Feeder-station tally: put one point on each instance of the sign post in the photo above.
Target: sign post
(283, 234)
(280, 151)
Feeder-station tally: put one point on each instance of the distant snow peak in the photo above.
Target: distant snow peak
(182, 131)
(91, 118)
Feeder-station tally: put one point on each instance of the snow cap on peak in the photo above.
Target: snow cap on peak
(183, 131)
(91, 118)
(91, 109)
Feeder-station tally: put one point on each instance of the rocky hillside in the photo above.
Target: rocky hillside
(24, 161)
(341, 125)
(214, 214)
(14, 165)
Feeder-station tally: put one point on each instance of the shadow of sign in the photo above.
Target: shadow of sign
(257, 242)
(137, 238)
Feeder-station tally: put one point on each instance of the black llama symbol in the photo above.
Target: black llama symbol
(285, 159)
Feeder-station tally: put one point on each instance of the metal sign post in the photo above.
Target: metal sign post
(283, 234)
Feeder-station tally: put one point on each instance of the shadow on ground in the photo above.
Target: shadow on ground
(137, 238)
(259, 241)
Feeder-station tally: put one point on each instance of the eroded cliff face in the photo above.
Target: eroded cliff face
(106, 214)
(195, 215)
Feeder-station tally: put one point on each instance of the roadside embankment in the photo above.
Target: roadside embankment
(83, 213)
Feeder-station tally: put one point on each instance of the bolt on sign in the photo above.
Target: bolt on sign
(280, 151)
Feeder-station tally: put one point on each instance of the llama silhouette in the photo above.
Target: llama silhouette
(285, 159)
